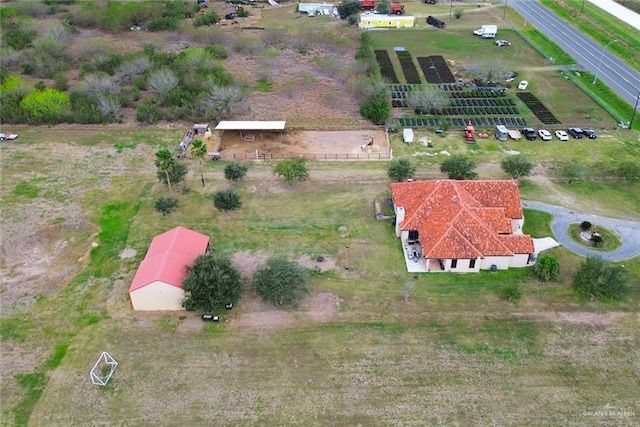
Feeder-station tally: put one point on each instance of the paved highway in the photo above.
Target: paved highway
(591, 56)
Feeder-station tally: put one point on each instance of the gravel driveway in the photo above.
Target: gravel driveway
(628, 231)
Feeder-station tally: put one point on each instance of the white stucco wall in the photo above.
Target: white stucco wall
(157, 296)
(519, 260)
(516, 225)
(399, 218)
(501, 262)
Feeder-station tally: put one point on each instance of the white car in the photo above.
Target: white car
(523, 85)
(502, 43)
(544, 135)
(7, 136)
(477, 32)
(562, 135)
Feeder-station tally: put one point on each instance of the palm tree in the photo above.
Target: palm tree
(198, 149)
(165, 163)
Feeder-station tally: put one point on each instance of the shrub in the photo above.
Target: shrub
(235, 171)
(208, 18)
(375, 109)
(165, 205)
(547, 268)
(597, 278)
(226, 200)
(585, 225)
(84, 110)
(458, 13)
(130, 70)
(164, 23)
(12, 111)
(243, 13)
(60, 82)
(217, 51)
(511, 292)
(400, 169)
(148, 112)
(281, 282)
(46, 106)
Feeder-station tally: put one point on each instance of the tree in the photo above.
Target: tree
(547, 268)
(222, 100)
(428, 100)
(401, 169)
(585, 225)
(384, 7)
(176, 175)
(491, 71)
(198, 149)
(347, 8)
(211, 283)
(292, 170)
(235, 171)
(165, 162)
(162, 82)
(281, 282)
(597, 278)
(46, 106)
(227, 200)
(596, 239)
(165, 205)
(517, 166)
(459, 166)
(375, 100)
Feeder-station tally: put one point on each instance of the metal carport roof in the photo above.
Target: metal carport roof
(250, 125)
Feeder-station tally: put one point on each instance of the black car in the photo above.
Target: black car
(529, 133)
(230, 16)
(575, 132)
(590, 133)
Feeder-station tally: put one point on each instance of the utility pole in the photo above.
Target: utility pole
(633, 115)
(504, 12)
(595, 79)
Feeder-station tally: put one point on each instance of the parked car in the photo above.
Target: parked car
(529, 133)
(575, 132)
(230, 16)
(202, 3)
(544, 134)
(430, 1)
(502, 43)
(562, 135)
(510, 76)
(523, 85)
(590, 133)
(7, 136)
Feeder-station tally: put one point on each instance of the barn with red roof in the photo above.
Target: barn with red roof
(461, 226)
(157, 284)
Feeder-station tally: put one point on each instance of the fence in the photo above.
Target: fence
(309, 156)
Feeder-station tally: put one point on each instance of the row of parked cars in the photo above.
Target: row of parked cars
(545, 135)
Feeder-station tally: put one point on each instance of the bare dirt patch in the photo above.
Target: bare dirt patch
(301, 142)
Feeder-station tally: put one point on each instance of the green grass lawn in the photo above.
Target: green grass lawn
(455, 342)
(455, 353)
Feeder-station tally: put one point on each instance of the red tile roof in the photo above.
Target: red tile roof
(168, 256)
(463, 219)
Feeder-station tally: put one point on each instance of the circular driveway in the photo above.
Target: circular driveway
(628, 231)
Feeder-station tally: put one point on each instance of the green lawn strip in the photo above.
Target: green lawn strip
(77, 307)
(537, 223)
(601, 26)
(610, 241)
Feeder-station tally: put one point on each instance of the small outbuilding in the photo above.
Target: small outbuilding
(407, 136)
(157, 284)
(369, 20)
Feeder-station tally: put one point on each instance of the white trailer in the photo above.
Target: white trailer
(407, 136)
(487, 31)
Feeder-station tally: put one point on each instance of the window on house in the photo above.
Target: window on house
(454, 263)
(472, 263)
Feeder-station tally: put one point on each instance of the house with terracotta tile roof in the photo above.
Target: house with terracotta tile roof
(461, 226)
(157, 284)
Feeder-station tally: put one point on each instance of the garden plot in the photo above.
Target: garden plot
(538, 108)
(435, 69)
(386, 67)
(408, 67)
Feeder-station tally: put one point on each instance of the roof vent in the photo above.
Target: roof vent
(455, 197)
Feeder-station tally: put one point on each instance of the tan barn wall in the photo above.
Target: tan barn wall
(157, 296)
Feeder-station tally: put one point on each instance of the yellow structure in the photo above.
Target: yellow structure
(376, 20)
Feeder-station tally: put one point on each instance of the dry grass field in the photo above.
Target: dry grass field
(78, 215)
